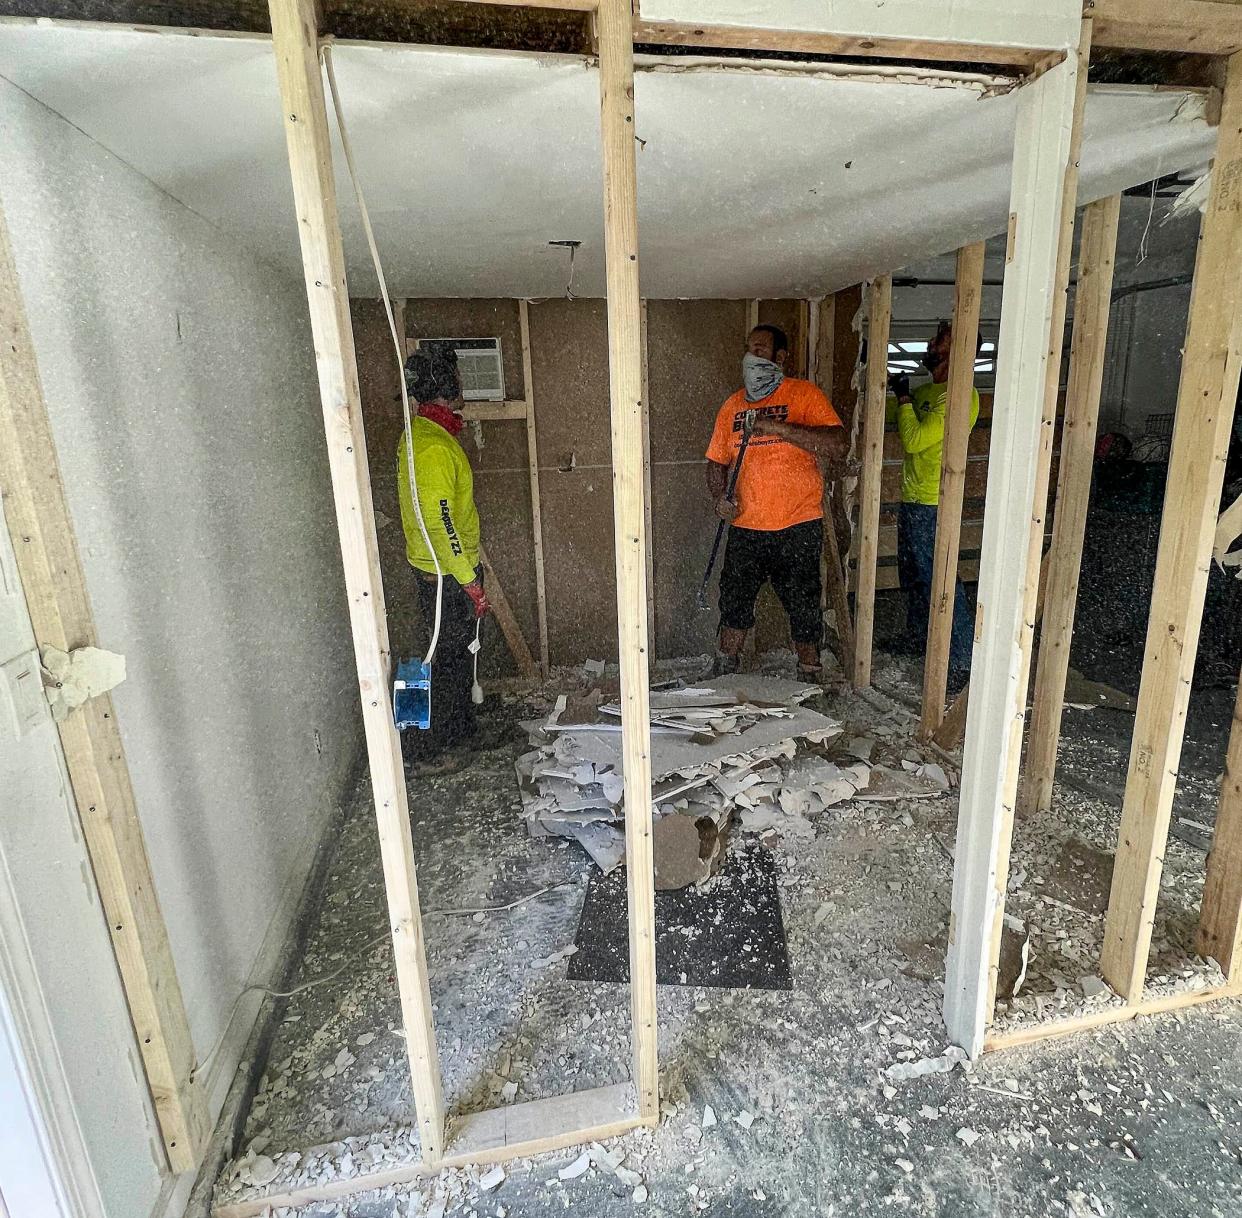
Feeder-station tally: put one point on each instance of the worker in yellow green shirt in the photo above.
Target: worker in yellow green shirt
(446, 496)
(919, 415)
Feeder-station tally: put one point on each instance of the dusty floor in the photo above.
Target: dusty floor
(1139, 1119)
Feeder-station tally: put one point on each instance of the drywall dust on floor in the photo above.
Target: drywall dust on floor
(836, 1098)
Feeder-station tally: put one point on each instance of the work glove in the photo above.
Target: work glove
(899, 385)
(726, 509)
(478, 598)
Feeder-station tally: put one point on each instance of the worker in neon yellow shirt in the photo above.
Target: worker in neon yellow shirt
(920, 415)
(446, 496)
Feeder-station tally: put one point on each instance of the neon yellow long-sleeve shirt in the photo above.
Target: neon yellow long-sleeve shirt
(921, 426)
(446, 495)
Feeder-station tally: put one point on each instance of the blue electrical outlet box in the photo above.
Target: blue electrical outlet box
(411, 695)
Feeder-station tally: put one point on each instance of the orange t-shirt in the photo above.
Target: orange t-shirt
(780, 484)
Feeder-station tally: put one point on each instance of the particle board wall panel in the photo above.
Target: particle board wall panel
(685, 525)
(694, 354)
(569, 362)
(503, 499)
(579, 567)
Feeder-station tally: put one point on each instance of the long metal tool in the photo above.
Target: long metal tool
(748, 429)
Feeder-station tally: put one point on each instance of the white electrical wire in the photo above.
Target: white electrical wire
(326, 51)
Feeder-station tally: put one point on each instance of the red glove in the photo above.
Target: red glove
(474, 590)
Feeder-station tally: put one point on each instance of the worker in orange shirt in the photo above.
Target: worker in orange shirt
(776, 512)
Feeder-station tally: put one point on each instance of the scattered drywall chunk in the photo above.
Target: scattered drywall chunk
(260, 1171)
(1025, 964)
(709, 1116)
(509, 1091)
(900, 1072)
(905, 1165)
(888, 784)
(968, 1136)
(1093, 987)
(561, 954)
(365, 1039)
(1228, 530)
(80, 674)
(639, 1195)
(493, 1179)
(609, 1160)
(594, 667)
(578, 1167)
(631, 1179)
(745, 1119)
(860, 747)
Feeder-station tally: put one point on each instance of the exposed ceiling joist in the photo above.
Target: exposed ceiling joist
(1204, 27)
(666, 33)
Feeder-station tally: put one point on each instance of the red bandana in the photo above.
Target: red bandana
(447, 418)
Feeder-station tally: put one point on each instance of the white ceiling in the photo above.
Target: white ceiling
(769, 182)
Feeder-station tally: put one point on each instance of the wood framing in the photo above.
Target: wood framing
(48, 565)
(647, 509)
(967, 301)
(536, 514)
(1046, 110)
(479, 1139)
(1109, 1015)
(502, 611)
(1206, 27)
(1220, 916)
(295, 43)
(1205, 401)
(1082, 407)
(879, 316)
(673, 33)
(616, 82)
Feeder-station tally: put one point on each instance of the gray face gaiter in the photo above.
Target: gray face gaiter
(760, 376)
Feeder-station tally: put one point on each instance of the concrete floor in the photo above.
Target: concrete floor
(1139, 1119)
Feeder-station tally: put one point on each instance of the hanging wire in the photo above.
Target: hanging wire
(326, 52)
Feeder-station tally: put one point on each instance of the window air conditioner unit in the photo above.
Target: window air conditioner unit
(480, 364)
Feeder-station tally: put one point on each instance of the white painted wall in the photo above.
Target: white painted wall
(179, 376)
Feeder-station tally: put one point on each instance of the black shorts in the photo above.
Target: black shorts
(790, 559)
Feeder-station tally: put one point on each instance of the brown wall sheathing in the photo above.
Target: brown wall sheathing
(694, 357)
(694, 352)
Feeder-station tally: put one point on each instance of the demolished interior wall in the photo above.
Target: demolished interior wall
(180, 384)
(694, 357)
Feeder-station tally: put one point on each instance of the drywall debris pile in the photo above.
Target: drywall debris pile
(739, 749)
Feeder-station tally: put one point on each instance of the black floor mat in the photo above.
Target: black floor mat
(730, 935)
